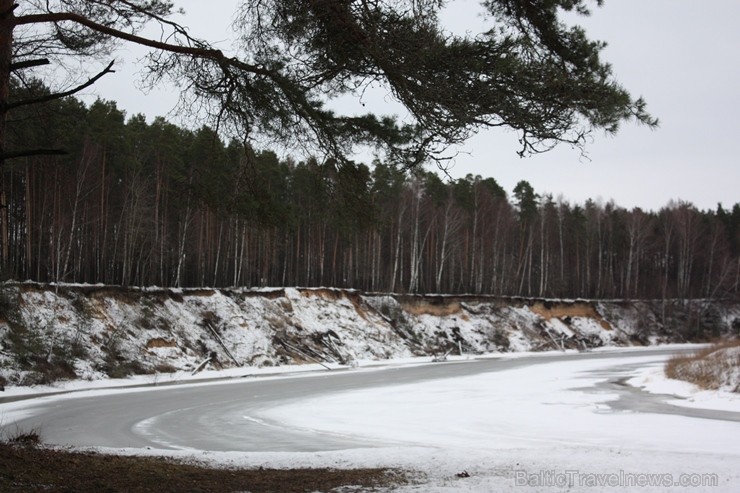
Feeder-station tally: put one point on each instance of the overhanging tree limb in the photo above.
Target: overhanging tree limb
(529, 72)
(59, 95)
(195, 51)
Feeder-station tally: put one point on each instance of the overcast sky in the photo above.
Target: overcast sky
(682, 56)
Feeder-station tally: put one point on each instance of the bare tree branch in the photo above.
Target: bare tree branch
(59, 95)
(195, 51)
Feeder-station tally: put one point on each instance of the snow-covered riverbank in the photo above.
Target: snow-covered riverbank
(94, 333)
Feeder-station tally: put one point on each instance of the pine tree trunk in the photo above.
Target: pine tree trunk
(7, 18)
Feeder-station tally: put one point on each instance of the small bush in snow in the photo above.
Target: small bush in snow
(715, 368)
(21, 438)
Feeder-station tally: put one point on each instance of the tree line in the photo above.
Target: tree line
(137, 203)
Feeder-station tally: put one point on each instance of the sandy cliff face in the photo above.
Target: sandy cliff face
(49, 332)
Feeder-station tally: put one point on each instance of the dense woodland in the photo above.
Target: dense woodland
(139, 203)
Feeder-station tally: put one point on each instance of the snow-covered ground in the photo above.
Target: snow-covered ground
(543, 427)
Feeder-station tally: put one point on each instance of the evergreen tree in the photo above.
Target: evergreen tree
(527, 71)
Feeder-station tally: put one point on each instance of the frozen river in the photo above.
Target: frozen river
(548, 410)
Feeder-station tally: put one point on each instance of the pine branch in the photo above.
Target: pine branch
(59, 95)
(195, 51)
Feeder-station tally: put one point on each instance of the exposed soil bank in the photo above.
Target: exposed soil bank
(51, 332)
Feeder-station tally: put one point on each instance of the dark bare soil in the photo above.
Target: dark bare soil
(28, 467)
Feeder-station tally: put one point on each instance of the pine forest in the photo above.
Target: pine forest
(138, 203)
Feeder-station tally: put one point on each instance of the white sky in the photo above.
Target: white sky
(683, 56)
